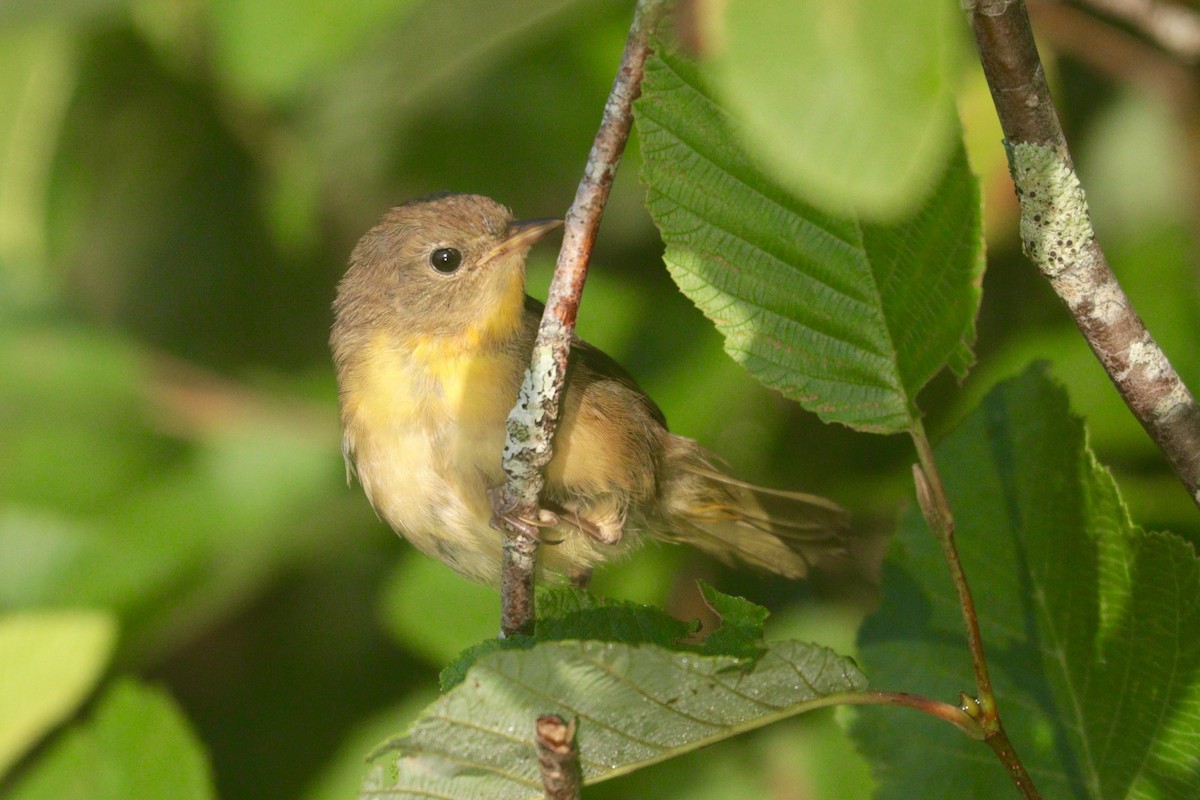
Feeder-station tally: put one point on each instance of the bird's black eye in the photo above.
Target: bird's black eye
(445, 259)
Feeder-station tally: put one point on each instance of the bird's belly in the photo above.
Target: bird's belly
(438, 503)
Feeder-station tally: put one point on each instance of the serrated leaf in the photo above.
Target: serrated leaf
(635, 706)
(741, 631)
(1089, 622)
(848, 104)
(136, 745)
(49, 661)
(848, 318)
(565, 613)
(574, 614)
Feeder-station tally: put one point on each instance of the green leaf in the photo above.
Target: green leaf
(136, 745)
(636, 705)
(849, 104)
(272, 49)
(566, 613)
(742, 622)
(574, 614)
(1089, 622)
(848, 318)
(49, 661)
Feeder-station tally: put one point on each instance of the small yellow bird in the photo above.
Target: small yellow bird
(432, 335)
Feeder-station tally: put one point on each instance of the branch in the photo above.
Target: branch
(1173, 27)
(558, 757)
(1057, 235)
(532, 422)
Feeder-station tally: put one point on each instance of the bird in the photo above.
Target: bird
(432, 334)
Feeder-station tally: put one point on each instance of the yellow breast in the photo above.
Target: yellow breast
(426, 424)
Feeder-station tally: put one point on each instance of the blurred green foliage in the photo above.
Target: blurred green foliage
(181, 182)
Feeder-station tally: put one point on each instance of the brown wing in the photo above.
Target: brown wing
(589, 363)
(608, 446)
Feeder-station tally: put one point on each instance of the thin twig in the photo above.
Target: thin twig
(935, 506)
(532, 422)
(931, 496)
(558, 757)
(1172, 26)
(1057, 235)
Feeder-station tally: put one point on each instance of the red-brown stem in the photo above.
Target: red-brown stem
(533, 420)
(1057, 234)
(931, 496)
(935, 506)
(955, 715)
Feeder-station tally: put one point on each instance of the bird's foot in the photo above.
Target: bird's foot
(505, 517)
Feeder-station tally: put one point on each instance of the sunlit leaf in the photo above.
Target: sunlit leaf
(49, 661)
(850, 319)
(848, 104)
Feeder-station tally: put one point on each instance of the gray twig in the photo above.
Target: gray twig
(532, 422)
(558, 757)
(1057, 235)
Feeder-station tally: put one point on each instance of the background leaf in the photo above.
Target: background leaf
(273, 49)
(850, 319)
(136, 745)
(49, 661)
(636, 705)
(847, 104)
(1086, 618)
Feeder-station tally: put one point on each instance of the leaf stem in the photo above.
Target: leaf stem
(1057, 235)
(955, 715)
(931, 496)
(935, 506)
(532, 422)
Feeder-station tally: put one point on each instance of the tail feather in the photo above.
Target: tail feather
(777, 531)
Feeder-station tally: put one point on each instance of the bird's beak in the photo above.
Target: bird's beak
(521, 236)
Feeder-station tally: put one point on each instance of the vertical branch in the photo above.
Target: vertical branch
(558, 757)
(1057, 235)
(532, 422)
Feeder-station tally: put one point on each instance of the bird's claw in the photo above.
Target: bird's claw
(504, 518)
